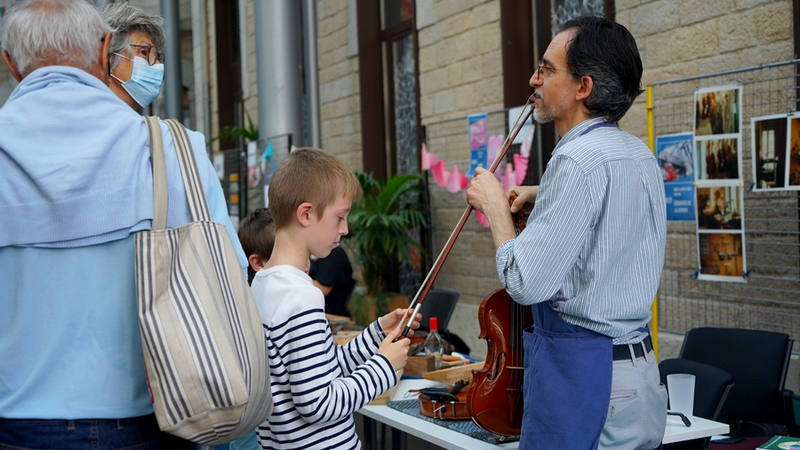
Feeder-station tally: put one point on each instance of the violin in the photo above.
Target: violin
(446, 403)
(495, 399)
(427, 283)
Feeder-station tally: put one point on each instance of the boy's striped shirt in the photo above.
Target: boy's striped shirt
(316, 385)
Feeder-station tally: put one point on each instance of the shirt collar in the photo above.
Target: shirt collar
(577, 130)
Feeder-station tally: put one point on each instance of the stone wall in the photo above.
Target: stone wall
(460, 73)
(692, 37)
(340, 118)
(460, 61)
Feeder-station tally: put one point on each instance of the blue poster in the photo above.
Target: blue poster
(478, 141)
(675, 154)
(680, 201)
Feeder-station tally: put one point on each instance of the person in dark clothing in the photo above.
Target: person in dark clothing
(333, 275)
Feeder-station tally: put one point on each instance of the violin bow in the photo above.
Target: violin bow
(422, 293)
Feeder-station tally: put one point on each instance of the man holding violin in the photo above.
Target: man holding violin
(590, 258)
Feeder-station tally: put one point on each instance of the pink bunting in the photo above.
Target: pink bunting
(520, 168)
(482, 219)
(428, 159)
(453, 182)
(508, 178)
(439, 175)
(464, 182)
(495, 143)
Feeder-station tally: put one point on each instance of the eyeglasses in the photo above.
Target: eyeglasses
(149, 53)
(542, 71)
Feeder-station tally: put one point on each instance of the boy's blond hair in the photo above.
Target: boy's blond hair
(309, 175)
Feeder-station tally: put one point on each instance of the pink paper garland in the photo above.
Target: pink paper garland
(455, 181)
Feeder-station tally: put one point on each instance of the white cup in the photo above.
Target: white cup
(680, 387)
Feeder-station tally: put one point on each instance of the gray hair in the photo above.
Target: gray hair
(57, 32)
(126, 19)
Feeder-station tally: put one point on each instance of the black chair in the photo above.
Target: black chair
(758, 361)
(711, 388)
(439, 303)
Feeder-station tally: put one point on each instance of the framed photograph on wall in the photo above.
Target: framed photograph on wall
(720, 207)
(718, 182)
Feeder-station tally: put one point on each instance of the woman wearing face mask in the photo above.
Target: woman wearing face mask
(136, 67)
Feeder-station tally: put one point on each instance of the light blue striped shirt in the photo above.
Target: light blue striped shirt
(594, 243)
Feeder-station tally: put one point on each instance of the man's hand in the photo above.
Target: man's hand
(522, 198)
(486, 195)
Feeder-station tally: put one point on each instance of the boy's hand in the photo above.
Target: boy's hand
(398, 319)
(396, 352)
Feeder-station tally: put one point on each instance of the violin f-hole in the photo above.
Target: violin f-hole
(497, 366)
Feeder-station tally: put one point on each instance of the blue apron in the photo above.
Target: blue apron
(567, 386)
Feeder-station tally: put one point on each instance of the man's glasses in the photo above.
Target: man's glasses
(543, 70)
(149, 53)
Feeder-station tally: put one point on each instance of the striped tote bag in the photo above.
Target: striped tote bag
(203, 342)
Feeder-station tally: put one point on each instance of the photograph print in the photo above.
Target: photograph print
(717, 111)
(794, 154)
(721, 257)
(717, 159)
(769, 151)
(719, 208)
(675, 157)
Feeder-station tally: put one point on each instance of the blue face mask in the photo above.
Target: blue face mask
(145, 82)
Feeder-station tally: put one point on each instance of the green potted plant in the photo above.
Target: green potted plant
(231, 132)
(380, 223)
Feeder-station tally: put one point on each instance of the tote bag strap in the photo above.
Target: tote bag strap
(160, 200)
(198, 206)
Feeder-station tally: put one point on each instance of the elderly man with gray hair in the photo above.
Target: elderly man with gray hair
(76, 185)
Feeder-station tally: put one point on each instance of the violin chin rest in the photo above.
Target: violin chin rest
(438, 395)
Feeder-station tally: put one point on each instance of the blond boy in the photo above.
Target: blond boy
(316, 385)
